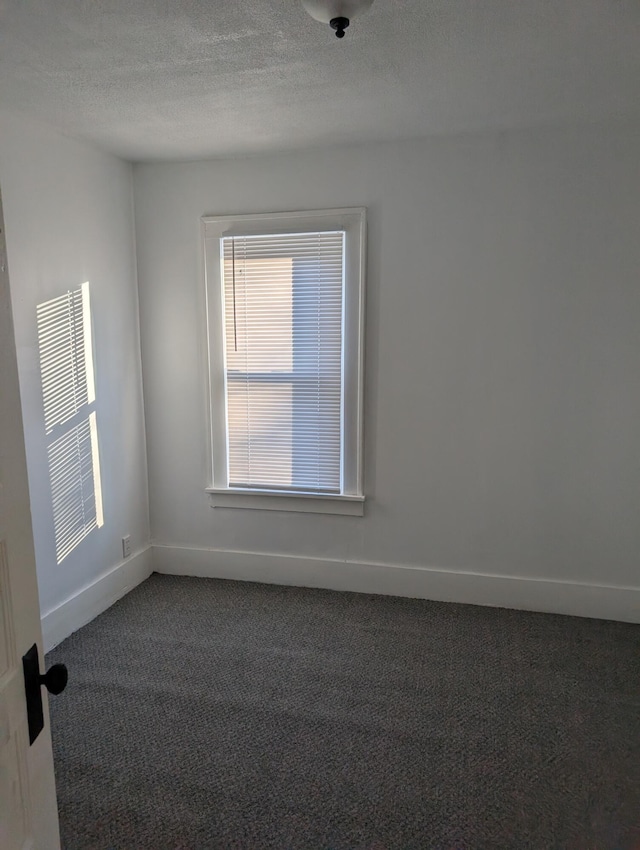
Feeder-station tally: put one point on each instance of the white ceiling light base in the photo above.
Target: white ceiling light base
(337, 13)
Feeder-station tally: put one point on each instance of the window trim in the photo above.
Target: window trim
(353, 221)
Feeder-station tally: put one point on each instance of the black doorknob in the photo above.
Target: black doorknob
(55, 679)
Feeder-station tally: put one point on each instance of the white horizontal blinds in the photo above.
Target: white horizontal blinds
(283, 343)
(64, 339)
(76, 494)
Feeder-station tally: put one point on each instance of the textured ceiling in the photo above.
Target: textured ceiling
(182, 79)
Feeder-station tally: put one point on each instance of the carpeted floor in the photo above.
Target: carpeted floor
(215, 715)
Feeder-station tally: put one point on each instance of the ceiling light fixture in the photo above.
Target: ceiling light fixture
(337, 13)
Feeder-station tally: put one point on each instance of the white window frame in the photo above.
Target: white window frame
(214, 228)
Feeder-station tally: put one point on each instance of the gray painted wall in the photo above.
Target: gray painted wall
(69, 218)
(502, 396)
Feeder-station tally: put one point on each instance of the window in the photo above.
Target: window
(68, 394)
(285, 330)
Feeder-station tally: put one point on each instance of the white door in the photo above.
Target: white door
(28, 811)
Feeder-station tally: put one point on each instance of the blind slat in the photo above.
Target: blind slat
(283, 315)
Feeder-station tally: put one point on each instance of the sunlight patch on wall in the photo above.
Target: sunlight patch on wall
(68, 396)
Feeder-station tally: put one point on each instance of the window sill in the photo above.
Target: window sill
(270, 500)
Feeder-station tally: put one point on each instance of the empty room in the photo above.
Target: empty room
(319, 425)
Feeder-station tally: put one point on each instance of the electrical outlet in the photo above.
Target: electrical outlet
(126, 546)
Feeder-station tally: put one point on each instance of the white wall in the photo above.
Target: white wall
(503, 354)
(69, 218)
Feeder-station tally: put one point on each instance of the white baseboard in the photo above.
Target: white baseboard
(78, 610)
(605, 602)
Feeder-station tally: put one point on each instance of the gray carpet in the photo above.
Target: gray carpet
(204, 714)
